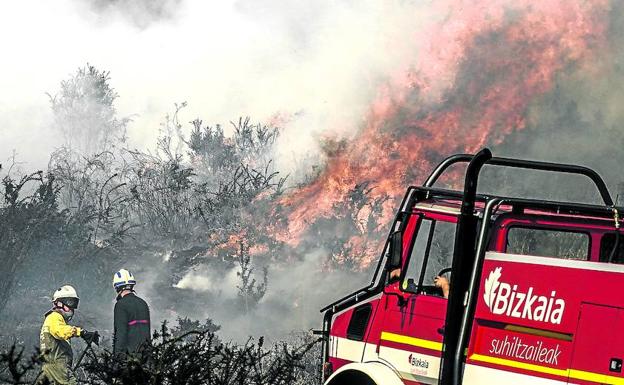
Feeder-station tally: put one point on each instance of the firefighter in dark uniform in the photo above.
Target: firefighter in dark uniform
(132, 318)
(55, 336)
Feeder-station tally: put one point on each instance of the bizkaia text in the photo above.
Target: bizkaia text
(508, 299)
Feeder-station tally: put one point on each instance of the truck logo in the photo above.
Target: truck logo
(504, 298)
(417, 362)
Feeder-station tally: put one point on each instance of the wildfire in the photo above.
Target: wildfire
(480, 68)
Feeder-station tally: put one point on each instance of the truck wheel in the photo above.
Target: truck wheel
(351, 377)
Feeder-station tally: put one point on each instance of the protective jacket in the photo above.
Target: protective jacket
(132, 324)
(56, 349)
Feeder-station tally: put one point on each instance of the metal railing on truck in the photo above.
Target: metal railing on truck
(525, 164)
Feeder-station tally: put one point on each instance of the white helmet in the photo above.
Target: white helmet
(122, 279)
(67, 296)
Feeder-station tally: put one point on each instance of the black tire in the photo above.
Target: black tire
(352, 377)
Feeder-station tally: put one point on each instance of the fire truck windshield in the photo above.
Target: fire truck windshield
(432, 252)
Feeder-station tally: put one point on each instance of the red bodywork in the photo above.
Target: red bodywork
(538, 319)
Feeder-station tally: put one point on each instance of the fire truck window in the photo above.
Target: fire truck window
(548, 243)
(410, 283)
(433, 248)
(606, 247)
(441, 252)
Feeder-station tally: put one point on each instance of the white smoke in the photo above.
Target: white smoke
(194, 281)
(205, 280)
(317, 65)
(295, 294)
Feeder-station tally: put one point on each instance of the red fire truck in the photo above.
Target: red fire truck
(535, 291)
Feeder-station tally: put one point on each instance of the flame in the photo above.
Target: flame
(477, 73)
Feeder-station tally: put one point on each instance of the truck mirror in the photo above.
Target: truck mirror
(396, 250)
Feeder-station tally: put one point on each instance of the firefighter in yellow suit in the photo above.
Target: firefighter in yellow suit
(55, 336)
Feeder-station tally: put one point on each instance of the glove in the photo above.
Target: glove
(91, 337)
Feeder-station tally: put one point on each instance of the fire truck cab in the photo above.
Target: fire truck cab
(535, 291)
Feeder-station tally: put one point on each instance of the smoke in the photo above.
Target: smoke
(314, 66)
(295, 295)
(140, 13)
(368, 94)
(577, 121)
(205, 280)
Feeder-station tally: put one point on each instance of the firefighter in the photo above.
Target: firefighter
(55, 336)
(132, 317)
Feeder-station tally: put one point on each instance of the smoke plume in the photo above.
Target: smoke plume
(367, 96)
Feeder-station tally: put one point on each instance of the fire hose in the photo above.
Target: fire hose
(84, 352)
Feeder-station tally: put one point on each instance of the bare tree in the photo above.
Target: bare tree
(250, 291)
(27, 219)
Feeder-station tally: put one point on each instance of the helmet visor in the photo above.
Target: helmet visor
(71, 303)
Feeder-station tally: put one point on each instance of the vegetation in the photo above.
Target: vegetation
(191, 357)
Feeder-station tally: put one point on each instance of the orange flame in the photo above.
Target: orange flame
(470, 87)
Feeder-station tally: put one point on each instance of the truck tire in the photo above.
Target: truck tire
(351, 377)
(365, 373)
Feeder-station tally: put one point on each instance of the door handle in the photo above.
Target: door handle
(615, 365)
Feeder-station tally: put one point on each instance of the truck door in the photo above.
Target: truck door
(411, 335)
(598, 346)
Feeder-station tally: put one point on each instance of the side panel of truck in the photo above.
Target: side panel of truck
(547, 318)
(538, 320)
(349, 333)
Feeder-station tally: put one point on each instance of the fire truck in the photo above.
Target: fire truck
(536, 290)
